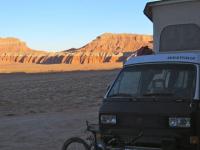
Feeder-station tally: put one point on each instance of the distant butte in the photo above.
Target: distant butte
(13, 44)
(106, 48)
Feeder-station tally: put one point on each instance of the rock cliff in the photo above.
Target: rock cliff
(13, 45)
(115, 43)
(104, 49)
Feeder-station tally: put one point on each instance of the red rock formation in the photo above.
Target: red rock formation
(109, 42)
(12, 44)
(104, 49)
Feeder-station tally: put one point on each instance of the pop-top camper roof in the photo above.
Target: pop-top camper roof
(176, 25)
(150, 5)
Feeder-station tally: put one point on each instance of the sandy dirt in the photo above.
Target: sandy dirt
(46, 68)
(40, 111)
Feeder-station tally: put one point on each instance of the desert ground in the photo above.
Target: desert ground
(49, 68)
(39, 111)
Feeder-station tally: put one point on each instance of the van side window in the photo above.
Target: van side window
(180, 37)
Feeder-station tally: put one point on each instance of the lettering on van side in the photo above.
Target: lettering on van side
(180, 58)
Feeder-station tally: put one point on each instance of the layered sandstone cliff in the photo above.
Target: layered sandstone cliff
(109, 42)
(13, 44)
(105, 48)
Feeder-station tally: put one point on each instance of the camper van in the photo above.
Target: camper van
(154, 102)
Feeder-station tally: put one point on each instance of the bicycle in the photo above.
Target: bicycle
(89, 144)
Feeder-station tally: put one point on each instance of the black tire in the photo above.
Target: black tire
(75, 140)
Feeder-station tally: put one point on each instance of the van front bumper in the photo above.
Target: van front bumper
(149, 140)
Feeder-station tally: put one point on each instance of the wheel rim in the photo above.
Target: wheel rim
(76, 146)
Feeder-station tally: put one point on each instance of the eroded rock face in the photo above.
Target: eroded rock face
(13, 44)
(109, 42)
(104, 49)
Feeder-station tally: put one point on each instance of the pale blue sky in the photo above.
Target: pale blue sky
(62, 24)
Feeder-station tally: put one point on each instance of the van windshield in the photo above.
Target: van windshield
(176, 80)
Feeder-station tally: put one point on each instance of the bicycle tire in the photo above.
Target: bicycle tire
(75, 140)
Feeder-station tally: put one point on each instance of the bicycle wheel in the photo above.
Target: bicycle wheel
(75, 143)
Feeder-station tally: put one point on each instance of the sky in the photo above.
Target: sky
(62, 24)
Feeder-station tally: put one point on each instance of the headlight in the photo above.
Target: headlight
(179, 122)
(108, 119)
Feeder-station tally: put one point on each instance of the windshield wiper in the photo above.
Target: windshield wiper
(158, 94)
(124, 95)
(121, 95)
